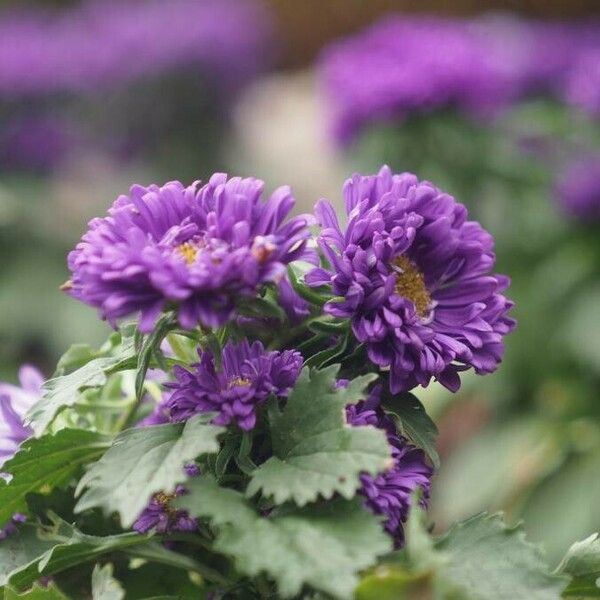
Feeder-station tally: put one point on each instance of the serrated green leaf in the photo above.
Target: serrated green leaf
(43, 463)
(478, 559)
(321, 546)
(414, 422)
(142, 462)
(487, 560)
(37, 592)
(582, 564)
(64, 390)
(316, 453)
(104, 585)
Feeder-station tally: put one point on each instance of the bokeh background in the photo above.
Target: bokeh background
(496, 102)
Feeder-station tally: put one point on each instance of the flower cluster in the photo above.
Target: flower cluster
(409, 275)
(390, 492)
(413, 275)
(101, 43)
(197, 248)
(248, 375)
(404, 64)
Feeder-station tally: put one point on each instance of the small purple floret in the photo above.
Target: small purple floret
(161, 517)
(390, 493)
(197, 249)
(248, 376)
(413, 276)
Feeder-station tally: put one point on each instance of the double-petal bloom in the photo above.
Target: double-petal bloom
(195, 249)
(413, 276)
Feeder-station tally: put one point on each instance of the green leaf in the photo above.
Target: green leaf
(37, 592)
(64, 390)
(153, 581)
(414, 422)
(487, 560)
(321, 546)
(142, 462)
(44, 463)
(478, 559)
(316, 453)
(17, 551)
(582, 563)
(38, 551)
(317, 296)
(104, 585)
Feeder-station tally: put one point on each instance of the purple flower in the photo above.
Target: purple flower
(161, 517)
(15, 401)
(582, 87)
(413, 275)
(390, 492)
(247, 377)
(197, 249)
(295, 307)
(12, 526)
(578, 189)
(98, 44)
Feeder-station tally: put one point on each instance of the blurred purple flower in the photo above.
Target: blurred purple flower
(38, 143)
(15, 401)
(198, 249)
(413, 275)
(248, 375)
(404, 64)
(578, 189)
(390, 492)
(101, 43)
(582, 87)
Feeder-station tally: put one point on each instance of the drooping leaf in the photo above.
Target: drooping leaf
(321, 546)
(37, 592)
(43, 463)
(104, 585)
(38, 551)
(582, 563)
(316, 453)
(63, 391)
(144, 461)
(414, 422)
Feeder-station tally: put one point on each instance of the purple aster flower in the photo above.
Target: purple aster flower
(247, 377)
(413, 275)
(390, 492)
(198, 249)
(161, 517)
(15, 401)
(578, 189)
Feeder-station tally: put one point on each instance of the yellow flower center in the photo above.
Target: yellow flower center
(239, 381)
(165, 501)
(410, 284)
(188, 251)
